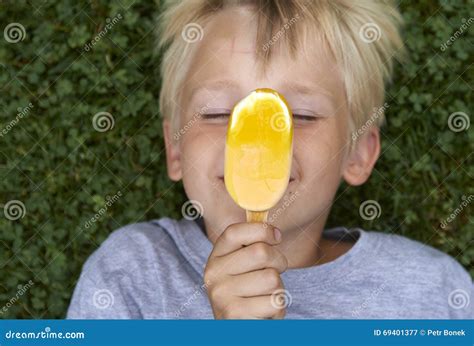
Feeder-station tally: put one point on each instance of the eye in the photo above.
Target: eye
(215, 116)
(305, 117)
(224, 116)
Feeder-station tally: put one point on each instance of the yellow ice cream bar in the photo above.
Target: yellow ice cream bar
(258, 153)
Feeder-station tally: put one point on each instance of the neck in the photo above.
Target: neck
(302, 244)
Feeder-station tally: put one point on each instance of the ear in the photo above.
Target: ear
(363, 157)
(173, 153)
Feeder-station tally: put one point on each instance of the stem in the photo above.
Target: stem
(257, 216)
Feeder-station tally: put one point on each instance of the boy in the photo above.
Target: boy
(330, 60)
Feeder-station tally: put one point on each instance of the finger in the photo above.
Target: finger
(239, 235)
(253, 257)
(257, 283)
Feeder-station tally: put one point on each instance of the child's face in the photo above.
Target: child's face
(224, 71)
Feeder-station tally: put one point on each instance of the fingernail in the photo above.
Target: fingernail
(277, 234)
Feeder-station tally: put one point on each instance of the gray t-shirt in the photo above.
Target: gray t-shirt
(155, 270)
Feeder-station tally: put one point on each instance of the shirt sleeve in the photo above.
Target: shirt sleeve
(101, 299)
(106, 285)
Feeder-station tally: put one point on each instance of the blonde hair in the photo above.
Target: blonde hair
(363, 36)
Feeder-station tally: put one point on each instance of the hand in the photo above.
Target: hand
(243, 271)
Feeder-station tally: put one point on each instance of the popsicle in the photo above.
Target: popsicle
(258, 152)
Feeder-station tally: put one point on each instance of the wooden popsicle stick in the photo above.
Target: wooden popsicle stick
(257, 216)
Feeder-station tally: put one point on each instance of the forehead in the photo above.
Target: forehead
(229, 52)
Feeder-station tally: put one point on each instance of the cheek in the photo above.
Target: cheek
(202, 153)
(193, 160)
(320, 153)
(200, 145)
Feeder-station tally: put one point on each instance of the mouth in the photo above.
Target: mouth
(289, 180)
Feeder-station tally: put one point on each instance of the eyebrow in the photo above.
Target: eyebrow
(218, 84)
(305, 89)
(293, 87)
